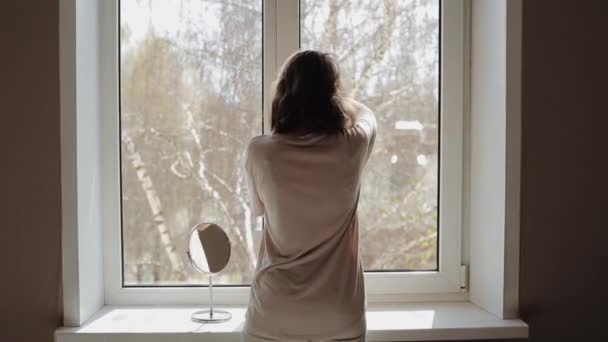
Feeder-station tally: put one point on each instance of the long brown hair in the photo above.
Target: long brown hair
(308, 97)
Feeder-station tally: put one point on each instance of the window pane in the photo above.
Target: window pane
(388, 52)
(191, 98)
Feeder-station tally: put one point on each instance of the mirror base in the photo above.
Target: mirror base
(205, 316)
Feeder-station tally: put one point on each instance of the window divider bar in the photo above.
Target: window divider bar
(288, 29)
(281, 40)
(269, 47)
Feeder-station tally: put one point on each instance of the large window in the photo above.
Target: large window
(191, 98)
(388, 52)
(195, 78)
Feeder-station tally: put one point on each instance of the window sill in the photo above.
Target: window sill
(386, 322)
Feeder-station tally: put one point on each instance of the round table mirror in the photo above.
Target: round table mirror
(209, 253)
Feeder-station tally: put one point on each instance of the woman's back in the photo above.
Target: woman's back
(309, 278)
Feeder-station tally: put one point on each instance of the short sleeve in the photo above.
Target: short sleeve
(257, 207)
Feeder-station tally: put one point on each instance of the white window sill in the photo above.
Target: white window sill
(385, 322)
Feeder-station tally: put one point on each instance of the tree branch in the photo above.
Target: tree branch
(381, 52)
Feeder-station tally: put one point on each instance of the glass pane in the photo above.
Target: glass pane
(191, 98)
(388, 52)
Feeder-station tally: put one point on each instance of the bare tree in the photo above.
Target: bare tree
(192, 99)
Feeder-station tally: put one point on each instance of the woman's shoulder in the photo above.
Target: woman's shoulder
(257, 140)
(259, 144)
(253, 150)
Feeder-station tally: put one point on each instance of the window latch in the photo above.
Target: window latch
(464, 278)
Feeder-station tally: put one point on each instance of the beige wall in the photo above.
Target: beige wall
(30, 194)
(565, 149)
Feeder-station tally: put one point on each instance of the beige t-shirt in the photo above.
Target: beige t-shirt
(308, 283)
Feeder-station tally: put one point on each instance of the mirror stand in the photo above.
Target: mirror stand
(209, 253)
(211, 315)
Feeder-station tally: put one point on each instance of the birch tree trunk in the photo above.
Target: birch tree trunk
(155, 205)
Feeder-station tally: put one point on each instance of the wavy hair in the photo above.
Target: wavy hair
(307, 96)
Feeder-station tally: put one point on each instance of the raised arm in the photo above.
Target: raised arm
(363, 117)
(364, 121)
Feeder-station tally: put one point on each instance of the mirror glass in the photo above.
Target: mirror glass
(208, 248)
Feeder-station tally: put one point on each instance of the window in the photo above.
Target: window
(194, 84)
(191, 98)
(389, 58)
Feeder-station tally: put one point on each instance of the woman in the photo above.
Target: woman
(305, 179)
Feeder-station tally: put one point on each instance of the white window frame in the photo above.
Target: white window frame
(281, 38)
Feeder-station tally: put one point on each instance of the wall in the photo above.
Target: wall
(565, 170)
(565, 149)
(487, 135)
(81, 162)
(30, 194)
